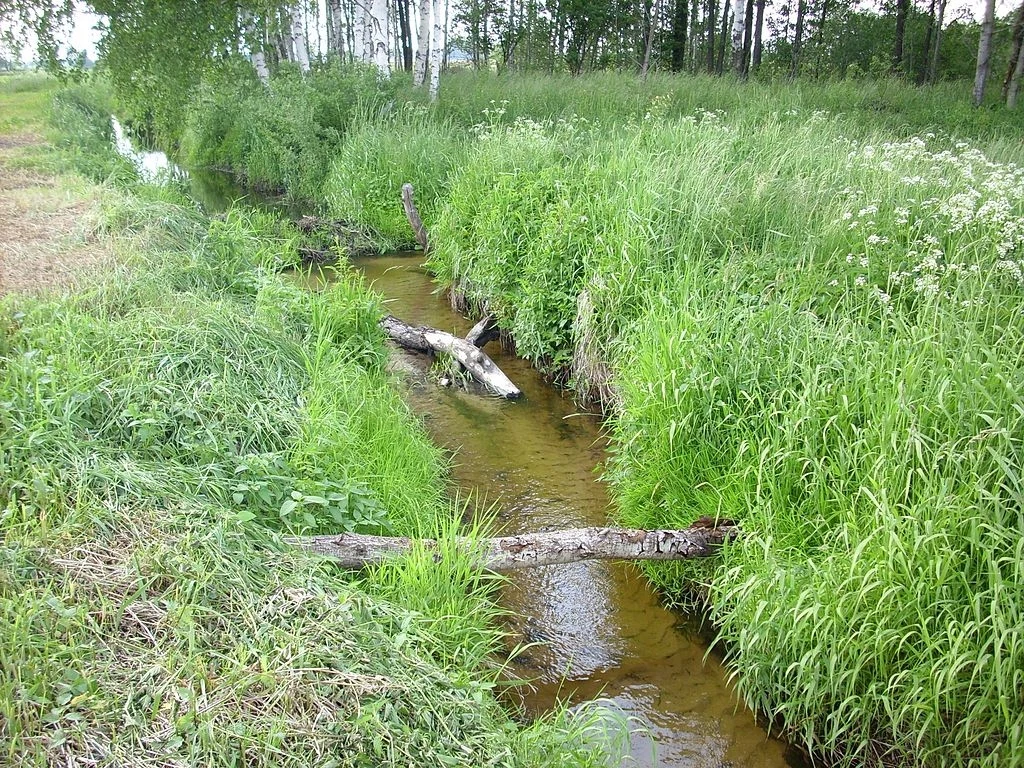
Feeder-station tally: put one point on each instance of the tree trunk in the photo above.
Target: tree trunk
(299, 37)
(748, 30)
(1014, 86)
(739, 28)
(798, 38)
(469, 356)
(679, 35)
(419, 76)
(413, 215)
(404, 9)
(651, 24)
(483, 332)
(436, 51)
(380, 54)
(902, 9)
(984, 52)
(724, 38)
(933, 66)
(758, 27)
(529, 550)
(712, 22)
(929, 31)
(255, 42)
(337, 20)
(1017, 42)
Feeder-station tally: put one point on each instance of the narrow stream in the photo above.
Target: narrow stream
(596, 628)
(591, 630)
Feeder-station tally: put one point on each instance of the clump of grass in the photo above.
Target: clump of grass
(813, 333)
(380, 154)
(283, 137)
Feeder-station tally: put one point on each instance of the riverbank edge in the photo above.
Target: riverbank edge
(123, 581)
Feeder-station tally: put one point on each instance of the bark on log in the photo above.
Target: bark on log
(413, 215)
(475, 361)
(484, 331)
(505, 553)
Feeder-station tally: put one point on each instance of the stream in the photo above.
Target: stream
(590, 630)
(596, 628)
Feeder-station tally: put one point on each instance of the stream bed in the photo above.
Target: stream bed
(595, 629)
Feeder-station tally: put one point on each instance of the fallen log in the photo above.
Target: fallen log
(476, 362)
(527, 550)
(484, 331)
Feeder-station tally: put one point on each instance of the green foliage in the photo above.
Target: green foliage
(377, 156)
(815, 329)
(283, 137)
(158, 430)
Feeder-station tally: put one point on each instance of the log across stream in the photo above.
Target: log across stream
(595, 628)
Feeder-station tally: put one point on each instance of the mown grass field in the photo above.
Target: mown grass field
(802, 305)
(162, 426)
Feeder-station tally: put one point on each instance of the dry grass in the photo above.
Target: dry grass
(47, 223)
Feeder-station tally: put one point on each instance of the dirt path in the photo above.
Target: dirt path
(48, 221)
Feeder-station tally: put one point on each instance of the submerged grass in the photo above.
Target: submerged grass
(160, 430)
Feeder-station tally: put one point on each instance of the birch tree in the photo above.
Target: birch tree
(1016, 44)
(984, 52)
(298, 37)
(739, 16)
(423, 44)
(378, 37)
(436, 51)
(254, 42)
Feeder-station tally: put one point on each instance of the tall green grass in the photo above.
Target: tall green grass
(801, 304)
(160, 430)
(815, 334)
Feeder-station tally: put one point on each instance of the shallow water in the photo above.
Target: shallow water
(596, 628)
(590, 630)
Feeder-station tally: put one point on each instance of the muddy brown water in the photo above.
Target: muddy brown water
(583, 631)
(594, 629)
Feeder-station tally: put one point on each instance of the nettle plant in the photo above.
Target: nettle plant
(269, 490)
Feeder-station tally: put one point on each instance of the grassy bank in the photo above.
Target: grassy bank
(162, 427)
(802, 304)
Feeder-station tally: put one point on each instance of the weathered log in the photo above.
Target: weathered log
(413, 215)
(505, 553)
(475, 361)
(484, 331)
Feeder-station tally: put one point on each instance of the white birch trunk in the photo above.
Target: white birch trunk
(298, 36)
(363, 31)
(984, 52)
(379, 36)
(423, 44)
(1014, 87)
(739, 27)
(255, 43)
(436, 52)
(337, 28)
